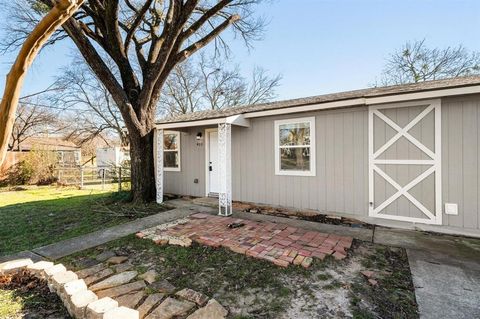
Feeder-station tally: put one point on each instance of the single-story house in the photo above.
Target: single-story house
(402, 156)
(68, 153)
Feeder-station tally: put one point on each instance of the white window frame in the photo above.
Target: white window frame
(173, 169)
(312, 171)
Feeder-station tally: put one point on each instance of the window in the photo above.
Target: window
(171, 151)
(295, 147)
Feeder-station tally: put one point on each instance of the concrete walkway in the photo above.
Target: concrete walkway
(445, 271)
(445, 287)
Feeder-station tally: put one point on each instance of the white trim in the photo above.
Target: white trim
(190, 123)
(207, 159)
(434, 163)
(238, 120)
(357, 102)
(432, 94)
(179, 137)
(400, 162)
(225, 169)
(307, 108)
(312, 171)
(158, 164)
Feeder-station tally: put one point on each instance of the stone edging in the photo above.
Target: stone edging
(80, 302)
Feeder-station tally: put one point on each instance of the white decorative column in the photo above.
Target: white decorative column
(159, 165)
(225, 169)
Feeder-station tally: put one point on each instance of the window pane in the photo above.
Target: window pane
(295, 134)
(170, 159)
(295, 159)
(170, 141)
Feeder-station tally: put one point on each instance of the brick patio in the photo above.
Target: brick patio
(278, 243)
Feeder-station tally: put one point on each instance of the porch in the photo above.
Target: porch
(217, 139)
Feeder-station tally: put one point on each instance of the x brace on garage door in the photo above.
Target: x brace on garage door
(434, 162)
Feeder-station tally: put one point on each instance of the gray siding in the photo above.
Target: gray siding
(460, 160)
(192, 164)
(341, 181)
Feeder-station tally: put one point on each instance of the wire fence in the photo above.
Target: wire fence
(86, 177)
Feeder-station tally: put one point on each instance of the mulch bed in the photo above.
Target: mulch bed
(303, 215)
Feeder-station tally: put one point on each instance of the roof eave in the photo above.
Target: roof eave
(347, 103)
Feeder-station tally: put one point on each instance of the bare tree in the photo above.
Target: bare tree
(92, 113)
(182, 91)
(145, 41)
(30, 120)
(42, 30)
(415, 62)
(210, 84)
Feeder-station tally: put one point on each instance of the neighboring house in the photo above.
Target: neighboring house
(403, 156)
(114, 156)
(68, 153)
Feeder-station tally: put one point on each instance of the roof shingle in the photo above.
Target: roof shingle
(332, 97)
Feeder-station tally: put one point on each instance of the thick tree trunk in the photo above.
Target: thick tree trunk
(142, 166)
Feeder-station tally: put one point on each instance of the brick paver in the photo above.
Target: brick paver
(278, 243)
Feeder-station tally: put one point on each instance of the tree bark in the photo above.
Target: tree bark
(142, 167)
(60, 13)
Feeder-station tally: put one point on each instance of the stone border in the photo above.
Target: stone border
(80, 302)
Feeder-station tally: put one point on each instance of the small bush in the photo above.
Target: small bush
(37, 168)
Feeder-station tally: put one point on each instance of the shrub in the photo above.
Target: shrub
(36, 168)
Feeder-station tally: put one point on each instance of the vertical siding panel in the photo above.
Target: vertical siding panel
(428, 139)
(348, 144)
(477, 212)
(359, 147)
(470, 165)
(267, 164)
(312, 182)
(379, 139)
(455, 161)
(236, 163)
(445, 158)
(330, 163)
(321, 160)
(339, 163)
(245, 164)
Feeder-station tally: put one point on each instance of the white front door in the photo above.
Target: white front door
(212, 164)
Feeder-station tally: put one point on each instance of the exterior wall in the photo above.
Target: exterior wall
(341, 181)
(461, 160)
(192, 166)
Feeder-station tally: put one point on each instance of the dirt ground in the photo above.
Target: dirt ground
(251, 288)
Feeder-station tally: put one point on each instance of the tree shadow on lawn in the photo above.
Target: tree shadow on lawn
(28, 225)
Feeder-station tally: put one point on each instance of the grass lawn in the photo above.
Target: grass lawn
(252, 288)
(43, 215)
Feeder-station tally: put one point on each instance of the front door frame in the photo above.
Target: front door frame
(207, 158)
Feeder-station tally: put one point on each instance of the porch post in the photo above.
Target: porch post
(225, 169)
(159, 164)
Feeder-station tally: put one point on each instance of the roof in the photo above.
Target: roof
(52, 143)
(333, 97)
